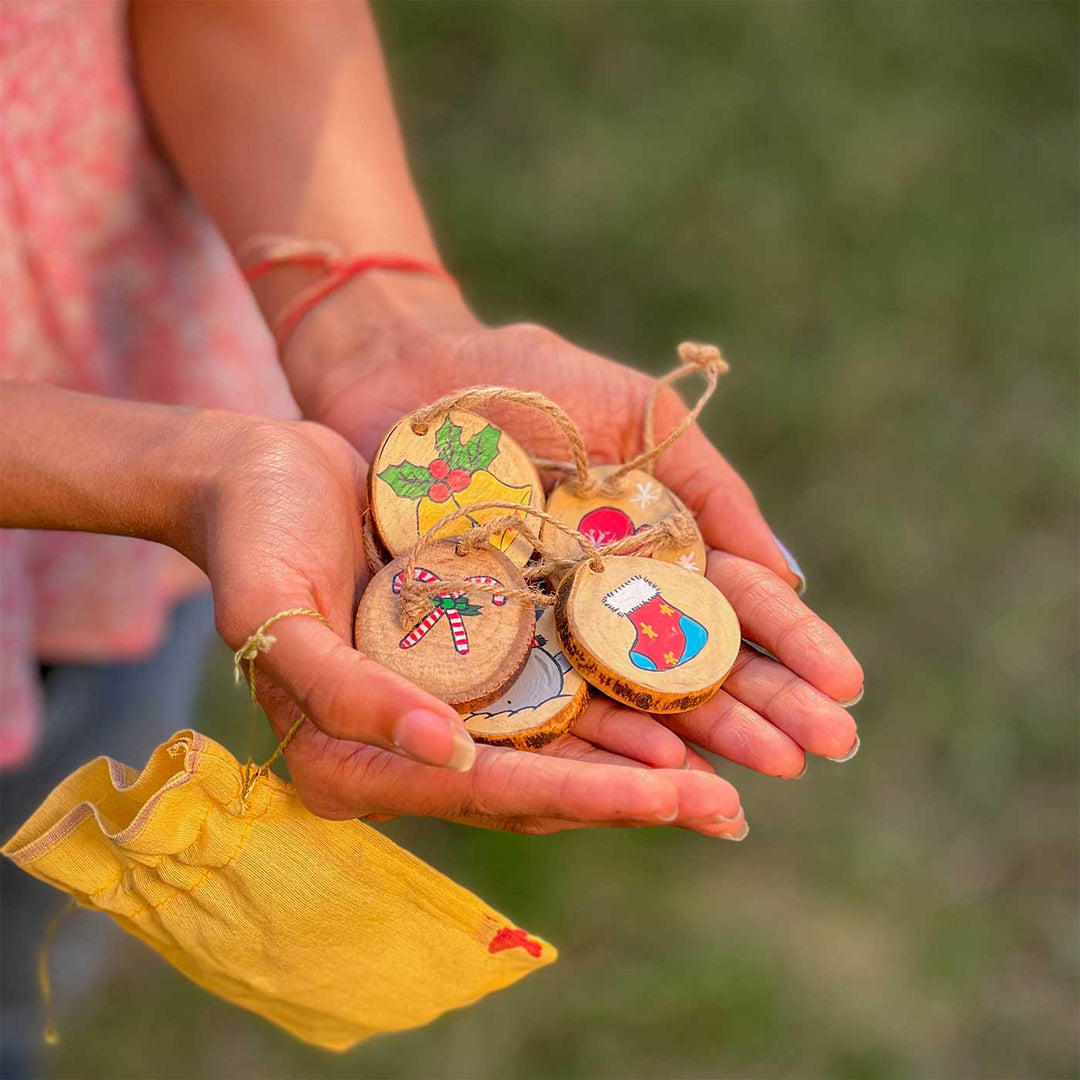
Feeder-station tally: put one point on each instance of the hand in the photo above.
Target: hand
(281, 528)
(385, 344)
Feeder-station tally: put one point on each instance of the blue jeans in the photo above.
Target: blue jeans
(122, 710)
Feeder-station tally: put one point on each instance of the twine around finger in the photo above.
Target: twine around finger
(258, 644)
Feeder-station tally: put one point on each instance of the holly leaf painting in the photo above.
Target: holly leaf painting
(408, 481)
(448, 444)
(481, 450)
(476, 454)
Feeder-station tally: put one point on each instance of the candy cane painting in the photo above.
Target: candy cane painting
(453, 605)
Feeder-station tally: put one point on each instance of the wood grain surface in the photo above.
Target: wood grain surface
(648, 633)
(468, 648)
(459, 460)
(541, 704)
(606, 518)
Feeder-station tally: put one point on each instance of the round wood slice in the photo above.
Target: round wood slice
(542, 703)
(606, 518)
(457, 461)
(648, 633)
(468, 648)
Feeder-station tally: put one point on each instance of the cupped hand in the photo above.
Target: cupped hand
(359, 373)
(281, 529)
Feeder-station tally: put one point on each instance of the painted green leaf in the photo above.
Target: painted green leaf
(482, 449)
(407, 480)
(448, 445)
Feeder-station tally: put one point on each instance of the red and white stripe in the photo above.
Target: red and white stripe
(419, 574)
(483, 579)
(458, 631)
(420, 630)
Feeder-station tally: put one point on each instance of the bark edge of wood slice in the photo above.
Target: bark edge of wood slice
(465, 659)
(543, 703)
(642, 612)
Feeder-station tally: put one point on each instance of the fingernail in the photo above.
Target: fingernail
(849, 755)
(854, 701)
(802, 772)
(419, 730)
(742, 834)
(720, 819)
(793, 565)
(464, 750)
(667, 819)
(759, 649)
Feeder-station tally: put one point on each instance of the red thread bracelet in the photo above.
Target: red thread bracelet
(337, 271)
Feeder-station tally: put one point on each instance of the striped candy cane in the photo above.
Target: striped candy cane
(459, 635)
(483, 579)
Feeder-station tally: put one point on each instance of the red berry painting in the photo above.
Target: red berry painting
(458, 475)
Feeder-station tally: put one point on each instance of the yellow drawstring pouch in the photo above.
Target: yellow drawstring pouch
(327, 928)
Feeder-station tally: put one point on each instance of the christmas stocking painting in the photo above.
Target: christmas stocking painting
(666, 636)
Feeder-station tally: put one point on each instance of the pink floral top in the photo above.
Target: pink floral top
(113, 282)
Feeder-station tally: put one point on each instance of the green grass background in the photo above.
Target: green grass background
(873, 207)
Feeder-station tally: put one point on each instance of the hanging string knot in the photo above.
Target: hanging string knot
(259, 643)
(703, 356)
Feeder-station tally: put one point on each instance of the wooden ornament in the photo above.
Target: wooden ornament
(541, 704)
(469, 646)
(421, 473)
(648, 633)
(642, 500)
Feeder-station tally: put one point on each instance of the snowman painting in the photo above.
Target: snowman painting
(541, 704)
(542, 680)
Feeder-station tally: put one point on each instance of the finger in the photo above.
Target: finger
(727, 727)
(576, 749)
(702, 794)
(632, 734)
(808, 716)
(350, 780)
(695, 761)
(773, 616)
(738, 830)
(726, 510)
(351, 697)
(707, 803)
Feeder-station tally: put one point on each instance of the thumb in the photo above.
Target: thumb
(349, 696)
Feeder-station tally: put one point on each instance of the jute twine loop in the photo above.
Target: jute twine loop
(415, 596)
(677, 530)
(372, 554)
(695, 357)
(261, 642)
(475, 396)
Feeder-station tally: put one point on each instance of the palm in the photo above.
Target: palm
(287, 533)
(769, 713)
(604, 399)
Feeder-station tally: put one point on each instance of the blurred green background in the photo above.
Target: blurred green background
(873, 207)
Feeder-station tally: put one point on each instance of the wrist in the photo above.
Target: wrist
(363, 325)
(85, 463)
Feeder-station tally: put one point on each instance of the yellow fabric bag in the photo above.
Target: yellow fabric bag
(327, 928)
